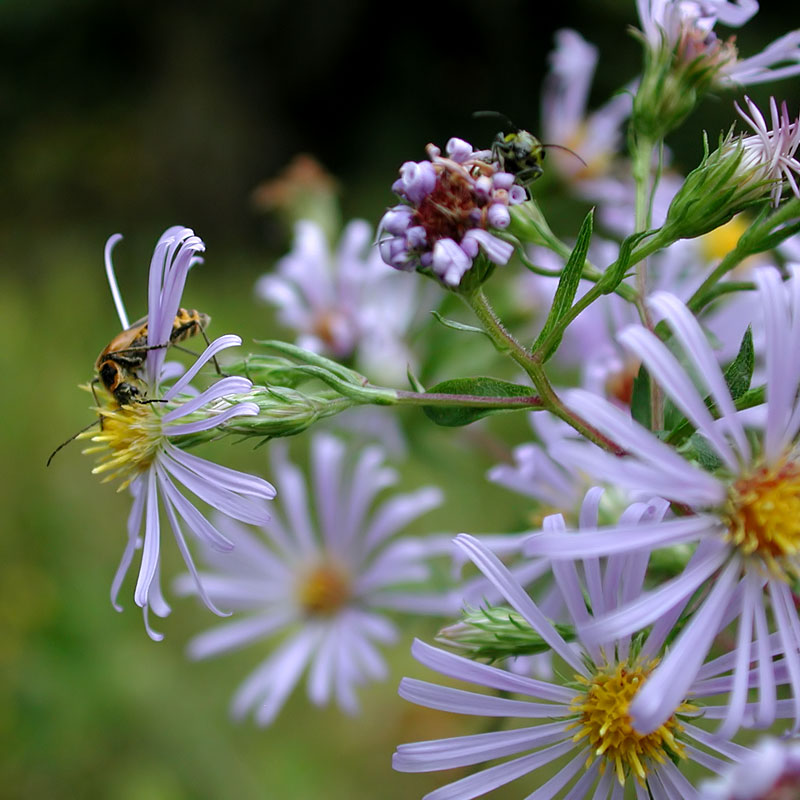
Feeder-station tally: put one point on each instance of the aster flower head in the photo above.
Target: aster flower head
(739, 505)
(319, 576)
(450, 205)
(595, 136)
(771, 771)
(768, 157)
(685, 58)
(552, 484)
(585, 719)
(743, 171)
(345, 303)
(139, 443)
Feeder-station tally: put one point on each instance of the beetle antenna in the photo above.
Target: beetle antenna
(568, 150)
(74, 436)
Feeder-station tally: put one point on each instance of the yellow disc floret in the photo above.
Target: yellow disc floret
(605, 724)
(130, 436)
(763, 517)
(323, 590)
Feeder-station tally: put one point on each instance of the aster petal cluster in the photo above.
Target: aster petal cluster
(595, 136)
(450, 205)
(322, 588)
(585, 720)
(769, 154)
(688, 28)
(771, 771)
(139, 443)
(741, 509)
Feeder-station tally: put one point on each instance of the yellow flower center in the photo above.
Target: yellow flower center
(606, 726)
(324, 590)
(128, 440)
(764, 517)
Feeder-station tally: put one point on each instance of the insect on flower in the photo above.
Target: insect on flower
(119, 363)
(520, 152)
(140, 444)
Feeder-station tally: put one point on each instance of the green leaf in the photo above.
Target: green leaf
(567, 286)
(739, 372)
(313, 359)
(415, 382)
(614, 275)
(752, 397)
(738, 375)
(699, 450)
(455, 416)
(640, 399)
(459, 326)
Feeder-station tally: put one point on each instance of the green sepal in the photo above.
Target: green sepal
(496, 633)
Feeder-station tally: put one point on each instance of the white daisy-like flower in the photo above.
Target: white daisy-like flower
(744, 515)
(139, 442)
(319, 578)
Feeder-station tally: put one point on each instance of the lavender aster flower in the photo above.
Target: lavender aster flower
(345, 304)
(596, 136)
(450, 203)
(139, 443)
(687, 28)
(770, 772)
(323, 587)
(586, 720)
(744, 514)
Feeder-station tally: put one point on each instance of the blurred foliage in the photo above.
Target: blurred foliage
(131, 117)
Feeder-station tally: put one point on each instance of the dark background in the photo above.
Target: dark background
(128, 115)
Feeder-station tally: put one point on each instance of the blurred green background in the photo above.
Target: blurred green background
(130, 117)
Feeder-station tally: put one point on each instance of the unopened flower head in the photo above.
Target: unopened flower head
(450, 205)
(740, 504)
(319, 576)
(684, 58)
(139, 442)
(585, 719)
(741, 172)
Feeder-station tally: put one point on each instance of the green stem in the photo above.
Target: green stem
(761, 235)
(505, 343)
(643, 149)
(471, 400)
(590, 271)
